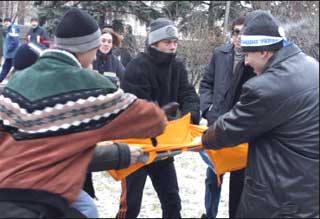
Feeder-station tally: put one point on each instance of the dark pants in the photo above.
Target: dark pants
(235, 190)
(5, 69)
(164, 180)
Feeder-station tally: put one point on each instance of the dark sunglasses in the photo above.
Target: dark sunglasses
(236, 32)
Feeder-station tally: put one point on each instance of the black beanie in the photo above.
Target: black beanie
(261, 32)
(77, 32)
(25, 56)
(161, 29)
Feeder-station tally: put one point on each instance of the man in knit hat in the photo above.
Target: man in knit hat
(158, 76)
(278, 114)
(52, 115)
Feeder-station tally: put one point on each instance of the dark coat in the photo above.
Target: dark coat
(220, 88)
(115, 156)
(161, 78)
(278, 114)
(108, 63)
(11, 41)
(39, 36)
(124, 55)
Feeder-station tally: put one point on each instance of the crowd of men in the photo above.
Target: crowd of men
(260, 88)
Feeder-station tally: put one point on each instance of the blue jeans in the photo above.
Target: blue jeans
(212, 194)
(86, 205)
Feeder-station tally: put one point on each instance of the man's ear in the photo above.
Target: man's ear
(266, 54)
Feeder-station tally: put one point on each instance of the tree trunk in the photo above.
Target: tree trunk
(211, 16)
(21, 11)
(12, 3)
(1, 9)
(226, 17)
(6, 8)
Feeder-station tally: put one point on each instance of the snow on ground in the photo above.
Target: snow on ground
(191, 172)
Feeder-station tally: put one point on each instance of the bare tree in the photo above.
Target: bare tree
(195, 50)
(226, 17)
(6, 8)
(300, 20)
(21, 11)
(1, 9)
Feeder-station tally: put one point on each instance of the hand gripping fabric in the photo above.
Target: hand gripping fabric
(178, 137)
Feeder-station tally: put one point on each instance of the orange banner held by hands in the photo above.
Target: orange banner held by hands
(180, 136)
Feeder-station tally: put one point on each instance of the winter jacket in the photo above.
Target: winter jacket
(123, 55)
(220, 87)
(1, 40)
(161, 78)
(52, 114)
(108, 65)
(130, 43)
(11, 41)
(114, 156)
(38, 35)
(278, 114)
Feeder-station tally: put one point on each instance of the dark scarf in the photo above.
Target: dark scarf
(160, 57)
(105, 63)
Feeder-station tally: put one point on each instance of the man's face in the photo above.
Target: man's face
(236, 35)
(7, 23)
(167, 46)
(34, 24)
(257, 60)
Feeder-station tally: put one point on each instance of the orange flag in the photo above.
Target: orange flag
(180, 136)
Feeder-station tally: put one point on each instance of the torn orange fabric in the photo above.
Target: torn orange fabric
(181, 135)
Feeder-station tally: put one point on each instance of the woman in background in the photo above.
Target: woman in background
(107, 63)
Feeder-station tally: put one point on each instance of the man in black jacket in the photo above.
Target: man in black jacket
(37, 34)
(278, 114)
(220, 89)
(156, 75)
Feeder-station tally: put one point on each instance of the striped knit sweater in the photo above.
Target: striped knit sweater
(53, 113)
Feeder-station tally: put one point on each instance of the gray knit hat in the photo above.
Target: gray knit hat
(162, 29)
(77, 32)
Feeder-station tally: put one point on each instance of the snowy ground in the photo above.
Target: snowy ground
(191, 176)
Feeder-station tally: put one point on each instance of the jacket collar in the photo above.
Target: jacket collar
(282, 54)
(103, 55)
(160, 57)
(62, 55)
(228, 48)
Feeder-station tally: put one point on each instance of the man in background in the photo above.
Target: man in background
(220, 89)
(11, 44)
(37, 34)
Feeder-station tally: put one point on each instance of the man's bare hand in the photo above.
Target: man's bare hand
(135, 152)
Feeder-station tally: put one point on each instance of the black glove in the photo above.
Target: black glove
(171, 110)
